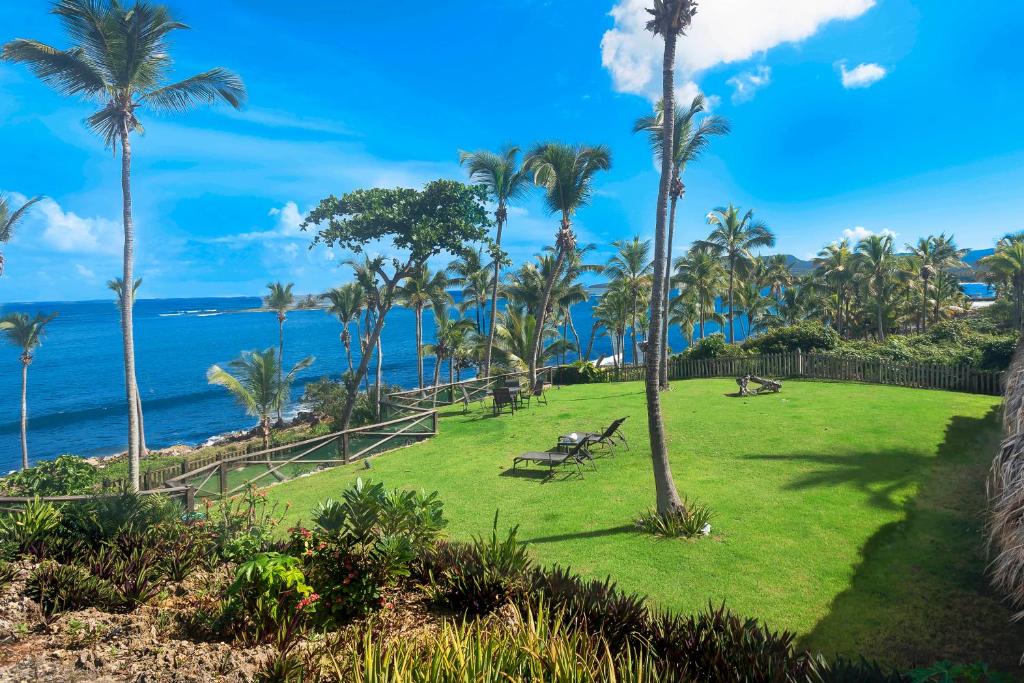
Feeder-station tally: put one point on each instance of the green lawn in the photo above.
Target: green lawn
(847, 513)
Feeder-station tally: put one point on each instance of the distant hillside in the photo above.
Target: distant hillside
(798, 266)
(975, 254)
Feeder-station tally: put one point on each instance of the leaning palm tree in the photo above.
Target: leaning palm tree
(419, 291)
(505, 182)
(117, 287)
(9, 220)
(121, 60)
(27, 334)
(669, 19)
(734, 237)
(566, 173)
(346, 303)
(1006, 265)
(258, 384)
(691, 136)
(631, 266)
(279, 299)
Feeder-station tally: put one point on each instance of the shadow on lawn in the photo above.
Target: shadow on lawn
(920, 592)
(597, 533)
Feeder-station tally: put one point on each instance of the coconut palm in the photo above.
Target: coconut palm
(684, 312)
(505, 182)
(9, 220)
(614, 312)
(117, 287)
(835, 266)
(876, 266)
(27, 334)
(418, 291)
(469, 273)
(566, 173)
(448, 336)
(256, 381)
(734, 237)
(279, 299)
(700, 273)
(121, 60)
(1006, 265)
(933, 254)
(691, 136)
(513, 340)
(346, 303)
(631, 265)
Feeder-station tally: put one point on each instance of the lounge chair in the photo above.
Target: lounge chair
(612, 436)
(553, 458)
(501, 399)
(536, 393)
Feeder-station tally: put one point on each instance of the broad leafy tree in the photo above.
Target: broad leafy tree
(27, 334)
(441, 218)
(120, 60)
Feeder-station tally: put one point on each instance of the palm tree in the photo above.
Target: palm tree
(279, 299)
(613, 312)
(631, 265)
(684, 313)
(701, 274)
(121, 60)
(9, 221)
(691, 136)
(117, 287)
(876, 266)
(835, 265)
(516, 328)
(27, 334)
(418, 291)
(566, 173)
(933, 254)
(734, 237)
(669, 19)
(468, 272)
(506, 182)
(1007, 265)
(258, 384)
(346, 303)
(448, 334)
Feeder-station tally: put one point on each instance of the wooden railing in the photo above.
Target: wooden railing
(465, 391)
(829, 367)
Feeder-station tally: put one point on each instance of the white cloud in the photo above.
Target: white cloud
(862, 75)
(85, 272)
(859, 232)
(745, 85)
(723, 32)
(66, 231)
(289, 218)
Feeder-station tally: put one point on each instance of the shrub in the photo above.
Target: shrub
(61, 588)
(132, 563)
(268, 594)
(580, 372)
(843, 670)
(478, 577)
(712, 346)
(101, 518)
(32, 528)
(805, 336)
(243, 526)
(997, 352)
(689, 521)
(7, 572)
(65, 476)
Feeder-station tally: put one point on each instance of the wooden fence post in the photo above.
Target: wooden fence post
(190, 499)
(222, 472)
(344, 448)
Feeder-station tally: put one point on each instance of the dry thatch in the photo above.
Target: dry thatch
(1006, 492)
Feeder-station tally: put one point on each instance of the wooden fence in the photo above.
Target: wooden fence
(828, 367)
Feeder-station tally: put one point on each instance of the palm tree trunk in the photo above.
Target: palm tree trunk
(24, 414)
(632, 331)
(666, 496)
(451, 370)
(419, 344)
(702, 317)
(380, 371)
(364, 363)
(142, 426)
(127, 302)
(572, 328)
(265, 431)
(881, 326)
(280, 360)
(494, 290)
(663, 381)
(590, 342)
(732, 272)
(538, 335)
(348, 348)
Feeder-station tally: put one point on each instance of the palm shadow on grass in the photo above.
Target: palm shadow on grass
(920, 592)
(577, 535)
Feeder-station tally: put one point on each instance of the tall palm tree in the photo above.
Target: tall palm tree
(448, 333)
(121, 59)
(566, 173)
(468, 272)
(933, 254)
(700, 273)
(669, 19)
(734, 237)
(506, 182)
(9, 220)
(279, 299)
(418, 291)
(27, 334)
(691, 136)
(631, 265)
(835, 265)
(258, 384)
(1007, 265)
(117, 287)
(516, 328)
(346, 303)
(685, 314)
(876, 266)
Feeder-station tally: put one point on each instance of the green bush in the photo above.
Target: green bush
(268, 594)
(62, 588)
(242, 526)
(581, 372)
(690, 521)
(712, 346)
(66, 476)
(805, 336)
(31, 529)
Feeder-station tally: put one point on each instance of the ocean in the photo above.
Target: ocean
(76, 398)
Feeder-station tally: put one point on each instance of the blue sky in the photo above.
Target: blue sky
(847, 115)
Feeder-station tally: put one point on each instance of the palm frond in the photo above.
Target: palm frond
(69, 72)
(205, 88)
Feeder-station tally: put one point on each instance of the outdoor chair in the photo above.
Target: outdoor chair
(553, 458)
(501, 399)
(612, 436)
(536, 393)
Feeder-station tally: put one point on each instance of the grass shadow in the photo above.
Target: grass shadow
(539, 475)
(920, 592)
(597, 533)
